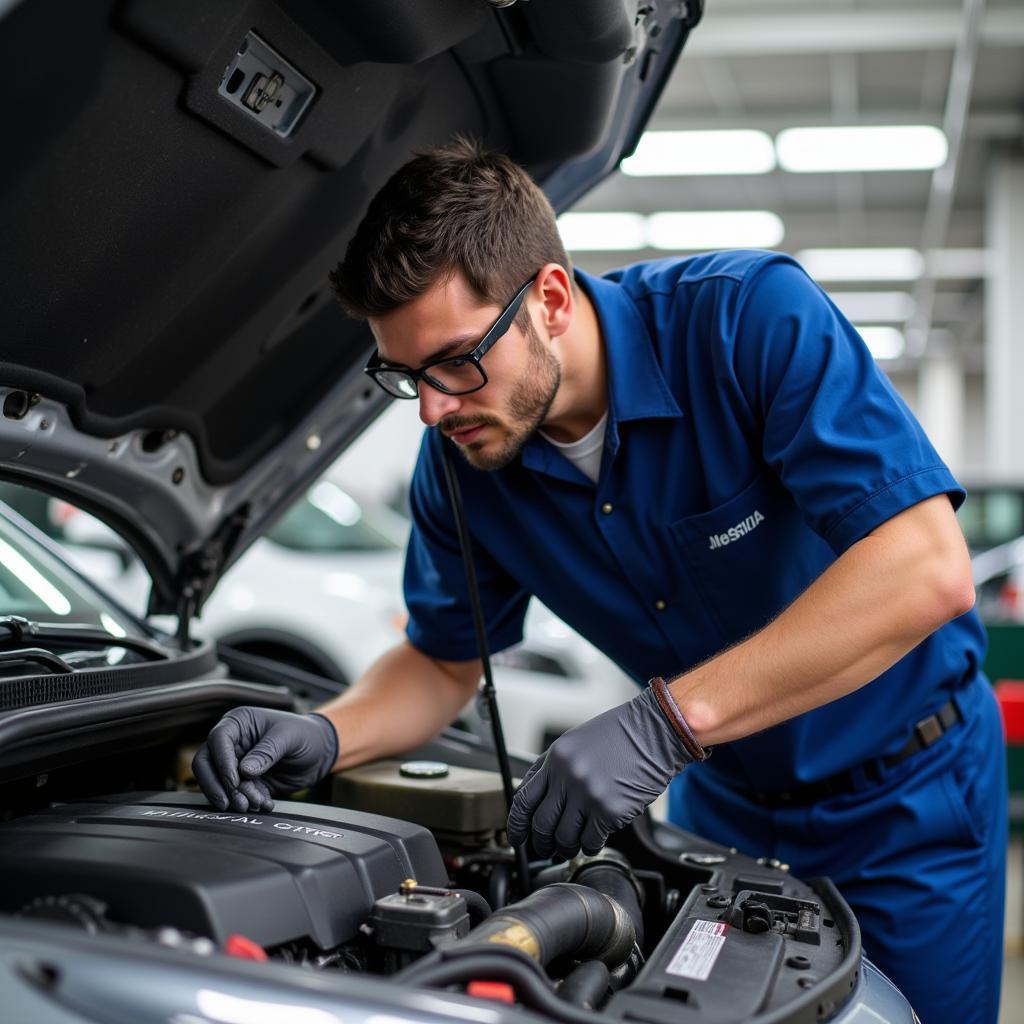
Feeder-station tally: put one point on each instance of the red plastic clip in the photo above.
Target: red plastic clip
(243, 948)
(497, 991)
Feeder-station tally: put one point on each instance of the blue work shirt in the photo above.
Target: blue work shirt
(751, 439)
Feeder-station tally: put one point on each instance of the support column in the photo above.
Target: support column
(941, 401)
(1004, 319)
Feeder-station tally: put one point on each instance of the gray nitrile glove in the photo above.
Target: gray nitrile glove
(595, 778)
(255, 754)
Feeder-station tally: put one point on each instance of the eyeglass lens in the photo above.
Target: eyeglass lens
(456, 376)
(397, 383)
(459, 376)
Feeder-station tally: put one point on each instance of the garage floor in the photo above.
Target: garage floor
(1012, 1011)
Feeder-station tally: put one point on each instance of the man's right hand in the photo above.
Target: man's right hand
(255, 754)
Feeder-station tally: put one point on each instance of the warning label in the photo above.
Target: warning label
(697, 955)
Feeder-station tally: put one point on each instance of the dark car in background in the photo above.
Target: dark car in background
(178, 181)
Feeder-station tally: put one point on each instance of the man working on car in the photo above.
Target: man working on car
(697, 465)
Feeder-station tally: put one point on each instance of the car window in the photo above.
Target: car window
(327, 518)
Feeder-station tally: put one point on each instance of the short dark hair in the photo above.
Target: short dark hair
(454, 208)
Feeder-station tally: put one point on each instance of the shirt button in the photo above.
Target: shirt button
(607, 508)
(660, 605)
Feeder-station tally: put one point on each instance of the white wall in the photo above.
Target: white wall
(970, 455)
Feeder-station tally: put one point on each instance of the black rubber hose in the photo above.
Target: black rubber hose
(586, 985)
(479, 908)
(460, 966)
(612, 880)
(561, 920)
(497, 889)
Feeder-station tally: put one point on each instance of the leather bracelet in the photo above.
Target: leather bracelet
(671, 711)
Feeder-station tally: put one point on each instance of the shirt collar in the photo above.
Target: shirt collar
(636, 386)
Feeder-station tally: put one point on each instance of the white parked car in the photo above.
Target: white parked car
(322, 592)
(999, 582)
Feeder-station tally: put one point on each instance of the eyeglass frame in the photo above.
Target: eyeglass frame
(495, 333)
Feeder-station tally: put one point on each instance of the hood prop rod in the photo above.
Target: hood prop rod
(186, 609)
(488, 695)
(202, 569)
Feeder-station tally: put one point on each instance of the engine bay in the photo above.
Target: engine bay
(659, 925)
(387, 892)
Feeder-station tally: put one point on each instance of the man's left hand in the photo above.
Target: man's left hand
(595, 778)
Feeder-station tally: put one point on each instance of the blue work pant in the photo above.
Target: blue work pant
(920, 857)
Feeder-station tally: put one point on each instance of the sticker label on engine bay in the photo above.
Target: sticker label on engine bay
(697, 955)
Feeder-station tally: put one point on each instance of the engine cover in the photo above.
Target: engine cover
(155, 859)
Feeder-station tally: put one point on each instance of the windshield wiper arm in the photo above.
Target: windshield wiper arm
(36, 656)
(14, 629)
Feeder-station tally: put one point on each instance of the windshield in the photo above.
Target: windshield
(39, 586)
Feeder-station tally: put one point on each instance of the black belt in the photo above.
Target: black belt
(926, 732)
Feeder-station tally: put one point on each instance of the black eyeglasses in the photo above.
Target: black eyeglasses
(456, 375)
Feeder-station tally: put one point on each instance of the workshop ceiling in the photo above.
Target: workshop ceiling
(753, 65)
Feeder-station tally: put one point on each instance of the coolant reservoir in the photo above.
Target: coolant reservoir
(466, 805)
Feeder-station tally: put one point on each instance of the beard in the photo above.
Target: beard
(528, 405)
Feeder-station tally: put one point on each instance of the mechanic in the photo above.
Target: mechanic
(696, 464)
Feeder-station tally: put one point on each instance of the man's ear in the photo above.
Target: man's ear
(555, 286)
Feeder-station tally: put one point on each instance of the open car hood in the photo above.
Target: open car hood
(172, 358)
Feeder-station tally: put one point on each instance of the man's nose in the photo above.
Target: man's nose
(435, 405)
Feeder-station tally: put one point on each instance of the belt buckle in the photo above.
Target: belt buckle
(928, 730)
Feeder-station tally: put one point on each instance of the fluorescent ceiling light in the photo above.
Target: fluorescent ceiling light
(674, 231)
(871, 148)
(883, 342)
(702, 152)
(862, 264)
(721, 229)
(609, 232)
(874, 307)
(948, 263)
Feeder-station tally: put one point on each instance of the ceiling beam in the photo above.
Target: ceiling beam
(876, 31)
(944, 179)
(844, 83)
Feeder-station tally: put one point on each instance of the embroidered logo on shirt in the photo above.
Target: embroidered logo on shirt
(741, 529)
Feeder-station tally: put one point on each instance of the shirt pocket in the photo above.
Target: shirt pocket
(750, 556)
